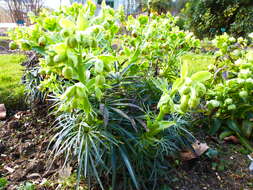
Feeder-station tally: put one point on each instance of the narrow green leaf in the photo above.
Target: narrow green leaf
(215, 126)
(129, 167)
(247, 128)
(120, 112)
(233, 126)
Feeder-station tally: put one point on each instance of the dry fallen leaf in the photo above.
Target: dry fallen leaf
(65, 172)
(2, 111)
(10, 170)
(232, 139)
(199, 149)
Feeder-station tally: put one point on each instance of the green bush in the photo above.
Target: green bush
(124, 89)
(104, 74)
(208, 18)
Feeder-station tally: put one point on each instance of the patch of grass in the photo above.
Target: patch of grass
(3, 183)
(198, 62)
(11, 89)
(4, 38)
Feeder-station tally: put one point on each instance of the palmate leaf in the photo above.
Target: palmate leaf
(66, 24)
(201, 76)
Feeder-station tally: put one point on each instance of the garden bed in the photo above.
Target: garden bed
(128, 96)
(24, 158)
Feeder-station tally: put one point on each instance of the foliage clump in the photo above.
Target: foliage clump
(208, 18)
(103, 73)
(121, 95)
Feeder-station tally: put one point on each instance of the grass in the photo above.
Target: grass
(4, 37)
(198, 62)
(11, 89)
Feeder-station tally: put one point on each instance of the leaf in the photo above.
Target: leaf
(126, 69)
(129, 104)
(114, 166)
(245, 142)
(72, 56)
(184, 70)
(216, 125)
(105, 113)
(197, 150)
(59, 48)
(82, 23)
(66, 24)
(98, 93)
(161, 84)
(176, 85)
(134, 58)
(165, 98)
(162, 126)
(232, 139)
(39, 50)
(247, 127)
(201, 76)
(129, 167)
(120, 112)
(107, 59)
(233, 126)
(99, 66)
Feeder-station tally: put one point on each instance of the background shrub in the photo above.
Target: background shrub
(208, 18)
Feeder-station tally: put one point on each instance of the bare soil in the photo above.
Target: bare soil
(24, 139)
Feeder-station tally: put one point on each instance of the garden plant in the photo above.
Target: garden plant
(122, 97)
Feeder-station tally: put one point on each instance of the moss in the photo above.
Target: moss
(11, 89)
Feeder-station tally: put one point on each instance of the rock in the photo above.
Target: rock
(2, 112)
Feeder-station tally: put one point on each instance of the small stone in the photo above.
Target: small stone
(2, 112)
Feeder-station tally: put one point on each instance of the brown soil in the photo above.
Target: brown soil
(24, 139)
(228, 171)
